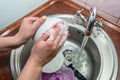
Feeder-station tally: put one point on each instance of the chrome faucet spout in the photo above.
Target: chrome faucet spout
(92, 14)
(89, 22)
(91, 19)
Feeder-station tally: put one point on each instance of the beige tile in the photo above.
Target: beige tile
(119, 22)
(109, 17)
(79, 2)
(108, 9)
(111, 7)
(88, 6)
(95, 2)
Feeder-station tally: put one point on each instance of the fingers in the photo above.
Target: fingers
(35, 21)
(58, 38)
(39, 22)
(53, 33)
(56, 35)
(50, 34)
(44, 37)
(31, 19)
(62, 41)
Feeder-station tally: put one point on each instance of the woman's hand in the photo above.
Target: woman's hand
(47, 46)
(44, 50)
(28, 28)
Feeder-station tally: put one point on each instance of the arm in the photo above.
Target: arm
(7, 43)
(26, 32)
(43, 51)
(31, 70)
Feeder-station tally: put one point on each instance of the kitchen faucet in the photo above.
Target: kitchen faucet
(90, 22)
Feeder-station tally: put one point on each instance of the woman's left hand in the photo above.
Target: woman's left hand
(28, 28)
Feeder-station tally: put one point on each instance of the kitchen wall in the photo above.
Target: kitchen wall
(12, 10)
(109, 9)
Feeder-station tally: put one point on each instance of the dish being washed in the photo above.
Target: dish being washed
(56, 63)
(51, 22)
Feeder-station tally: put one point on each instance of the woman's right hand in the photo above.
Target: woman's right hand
(45, 49)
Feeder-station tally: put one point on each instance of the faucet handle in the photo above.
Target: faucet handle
(80, 11)
(99, 23)
(80, 19)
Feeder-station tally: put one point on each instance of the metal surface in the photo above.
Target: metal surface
(79, 18)
(91, 19)
(101, 54)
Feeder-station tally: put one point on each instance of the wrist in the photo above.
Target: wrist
(35, 61)
(18, 40)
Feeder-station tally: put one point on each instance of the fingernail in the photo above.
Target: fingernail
(44, 17)
(55, 26)
(68, 35)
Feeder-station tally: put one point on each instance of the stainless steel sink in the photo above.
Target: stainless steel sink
(100, 63)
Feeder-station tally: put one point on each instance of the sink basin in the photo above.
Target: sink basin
(100, 63)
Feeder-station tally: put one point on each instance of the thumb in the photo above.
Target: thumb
(39, 22)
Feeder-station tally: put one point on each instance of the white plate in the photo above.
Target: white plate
(48, 23)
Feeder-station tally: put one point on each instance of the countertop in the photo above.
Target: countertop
(49, 8)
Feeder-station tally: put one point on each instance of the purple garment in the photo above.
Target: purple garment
(62, 74)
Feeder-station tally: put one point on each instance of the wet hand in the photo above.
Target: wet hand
(28, 28)
(46, 48)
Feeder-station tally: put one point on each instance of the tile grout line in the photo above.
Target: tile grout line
(100, 10)
(118, 20)
(86, 4)
(109, 14)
